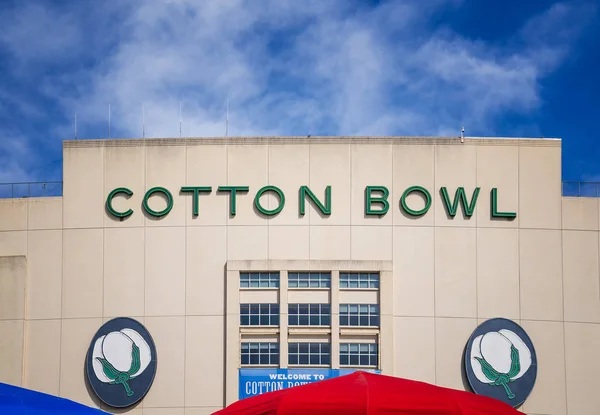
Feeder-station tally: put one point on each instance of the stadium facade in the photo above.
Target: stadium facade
(175, 276)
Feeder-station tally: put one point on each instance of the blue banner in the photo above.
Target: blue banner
(257, 381)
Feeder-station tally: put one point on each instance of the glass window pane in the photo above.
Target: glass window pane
(364, 360)
(293, 320)
(344, 359)
(325, 359)
(254, 320)
(293, 359)
(254, 359)
(354, 320)
(303, 359)
(314, 320)
(245, 359)
(303, 320)
(354, 359)
(303, 347)
(314, 359)
(244, 320)
(293, 347)
(343, 320)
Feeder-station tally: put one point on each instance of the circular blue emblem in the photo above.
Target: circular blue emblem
(121, 362)
(500, 361)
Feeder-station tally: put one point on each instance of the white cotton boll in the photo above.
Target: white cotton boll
(495, 349)
(98, 368)
(117, 349)
(145, 353)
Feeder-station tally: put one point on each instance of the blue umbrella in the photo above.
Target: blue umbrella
(17, 401)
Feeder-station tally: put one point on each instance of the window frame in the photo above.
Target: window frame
(373, 280)
(272, 282)
(270, 315)
(307, 276)
(309, 347)
(309, 316)
(350, 316)
(369, 354)
(269, 345)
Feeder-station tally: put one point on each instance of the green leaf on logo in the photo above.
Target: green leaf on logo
(515, 363)
(135, 360)
(119, 377)
(109, 369)
(488, 370)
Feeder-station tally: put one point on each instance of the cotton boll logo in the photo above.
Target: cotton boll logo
(500, 361)
(121, 362)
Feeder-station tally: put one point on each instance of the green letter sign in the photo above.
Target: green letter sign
(269, 212)
(232, 199)
(305, 191)
(110, 197)
(425, 194)
(468, 208)
(195, 190)
(495, 212)
(159, 213)
(369, 200)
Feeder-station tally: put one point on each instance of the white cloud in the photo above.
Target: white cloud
(289, 67)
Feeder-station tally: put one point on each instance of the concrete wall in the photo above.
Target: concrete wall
(80, 267)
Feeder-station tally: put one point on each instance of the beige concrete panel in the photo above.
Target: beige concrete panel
(498, 167)
(164, 411)
(308, 296)
(166, 167)
(541, 274)
(455, 272)
(330, 242)
(289, 242)
(13, 215)
(232, 288)
(42, 361)
(123, 272)
(549, 393)
(204, 355)
(371, 243)
(13, 243)
(125, 167)
(289, 168)
(580, 213)
(580, 276)
(76, 337)
(371, 166)
(202, 411)
(247, 242)
(168, 388)
(330, 166)
(13, 278)
(165, 271)
(359, 297)
(45, 213)
(540, 187)
(455, 166)
(44, 279)
(11, 351)
(413, 166)
(498, 273)
(205, 273)
(206, 166)
(247, 166)
(582, 342)
(82, 283)
(232, 357)
(83, 187)
(256, 296)
(414, 284)
(451, 336)
(387, 357)
(414, 346)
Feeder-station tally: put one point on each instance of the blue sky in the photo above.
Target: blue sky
(322, 67)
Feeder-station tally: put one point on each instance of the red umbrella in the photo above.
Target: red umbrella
(366, 393)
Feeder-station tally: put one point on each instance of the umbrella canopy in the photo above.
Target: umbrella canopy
(16, 401)
(360, 393)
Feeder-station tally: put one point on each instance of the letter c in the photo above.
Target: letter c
(109, 199)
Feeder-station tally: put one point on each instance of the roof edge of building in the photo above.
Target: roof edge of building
(398, 140)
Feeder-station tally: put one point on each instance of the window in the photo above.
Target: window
(259, 279)
(309, 314)
(359, 280)
(358, 354)
(309, 354)
(259, 314)
(260, 353)
(309, 280)
(359, 315)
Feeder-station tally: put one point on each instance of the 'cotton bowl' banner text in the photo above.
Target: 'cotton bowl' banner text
(257, 381)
